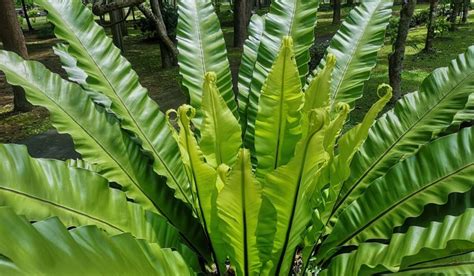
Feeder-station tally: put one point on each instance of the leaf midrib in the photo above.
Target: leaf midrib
(101, 146)
(137, 126)
(59, 206)
(280, 113)
(384, 154)
(351, 56)
(402, 200)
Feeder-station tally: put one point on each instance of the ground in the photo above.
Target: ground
(164, 85)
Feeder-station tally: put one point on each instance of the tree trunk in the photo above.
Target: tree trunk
(123, 25)
(25, 11)
(117, 35)
(101, 8)
(13, 40)
(217, 6)
(242, 14)
(168, 57)
(133, 14)
(160, 28)
(456, 9)
(336, 14)
(465, 11)
(430, 34)
(395, 59)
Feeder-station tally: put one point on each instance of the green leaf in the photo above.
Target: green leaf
(220, 131)
(77, 75)
(202, 49)
(438, 169)
(111, 74)
(295, 19)
(249, 60)
(456, 204)
(47, 247)
(71, 195)
(355, 47)
(288, 190)
(416, 118)
(203, 176)
(104, 143)
(318, 90)
(462, 264)
(278, 128)
(409, 250)
(238, 206)
(348, 144)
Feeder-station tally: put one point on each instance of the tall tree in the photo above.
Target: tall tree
(395, 59)
(27, 17)
(242, 14)
(465, 10)
(13, 40)
(430, 34)
(168, 59)
(116, 28)
(336, 11)
(455, 11)
(157, 19)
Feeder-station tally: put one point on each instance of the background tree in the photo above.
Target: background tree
(168, 58)
(455, 11)
(157, 18)
(242, 14)
(117, 31)
(27, 17)
(465, 10)
(336, 14)
(430, 34)
(395, 59)
(13, 40)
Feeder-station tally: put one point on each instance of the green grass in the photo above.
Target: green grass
(18, 126)
(417, 64)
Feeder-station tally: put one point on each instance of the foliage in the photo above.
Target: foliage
(420, 18)
(271, 186)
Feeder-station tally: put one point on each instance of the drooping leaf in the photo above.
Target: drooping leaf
(47, 247)
(202, 49)
(459, 264)
(39, 189)
(238, 207)
(355, 47)
(416, 118)
(104, 143)
(111, 74)
(220, 131)
(277, 127)
(295, 19)
(77, 75)
(249, 60)
(456, 204)
(453, 236)
(438, 169)
(289, 189)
